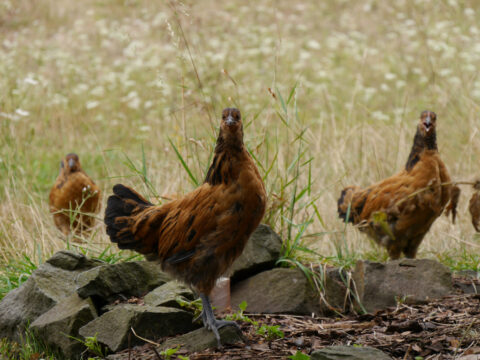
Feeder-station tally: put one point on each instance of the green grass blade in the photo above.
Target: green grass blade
(184, 164)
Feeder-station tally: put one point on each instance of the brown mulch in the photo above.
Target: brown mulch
(447, 328)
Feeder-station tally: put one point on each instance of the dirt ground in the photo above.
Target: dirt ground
(448, 328)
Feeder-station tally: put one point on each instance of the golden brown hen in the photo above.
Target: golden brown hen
(196, 238)
(398, 211)
(73, 196)
(474, 206)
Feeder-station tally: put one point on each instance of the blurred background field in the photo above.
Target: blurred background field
(330, 92)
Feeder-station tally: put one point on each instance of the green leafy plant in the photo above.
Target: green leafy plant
(240, 316)
(168, 353)
(92, 345)
(270, 332)
(299, 356)
(194, 306)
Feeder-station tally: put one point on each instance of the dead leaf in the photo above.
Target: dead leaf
(416, 348)
(455, 343)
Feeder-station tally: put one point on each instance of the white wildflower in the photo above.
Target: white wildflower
(469, 12)
(314, 45)
(384, 87)
(80, 88)
(22, 112)
(30, 81)
(92, 104)
(97, 91)
(445, 72)
(304, 55)
(378, 115)
(390, 76)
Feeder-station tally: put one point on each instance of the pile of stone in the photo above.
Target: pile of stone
(71, 297)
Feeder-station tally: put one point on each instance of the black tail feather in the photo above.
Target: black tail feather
(126, 193)
(118, 216)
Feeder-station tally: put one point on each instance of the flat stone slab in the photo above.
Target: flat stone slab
(166, 295)
(413, 281)
(70, 260)
(108, 283)
(113, 328)
(260, 254)
(277, 291)
(65, 319)
(349, 353)
(202, 339)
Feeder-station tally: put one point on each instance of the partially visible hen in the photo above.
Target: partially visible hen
(474, 206)
(196, 237)
(73, 197)
(398, 211)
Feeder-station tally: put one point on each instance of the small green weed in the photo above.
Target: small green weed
(299, 356)
(269, 332)
(168, 353)
(194, 306)
(93, 346)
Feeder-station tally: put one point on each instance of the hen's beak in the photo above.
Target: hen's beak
(427, 124)
(229, 121)
(71, 163)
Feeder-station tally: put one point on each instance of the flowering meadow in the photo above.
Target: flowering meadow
(330, 93)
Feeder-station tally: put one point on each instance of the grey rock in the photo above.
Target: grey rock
(414, 281)
(108, 283)
(202, 339)
(113, 327)
(277, 291)
(349, 353)
(44, 289)
(69, 260)
(64, 320)
(166, 294)
(261, 252)
(333, 283)
(470, 274)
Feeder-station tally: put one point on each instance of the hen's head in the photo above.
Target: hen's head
(70, 164)
(428, 122)
(231, 128)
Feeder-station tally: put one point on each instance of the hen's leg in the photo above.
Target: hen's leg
(410, 250)
(209, 320)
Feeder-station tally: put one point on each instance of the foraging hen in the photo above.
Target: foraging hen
(196, 238)
(398, 211)
(73, 196)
